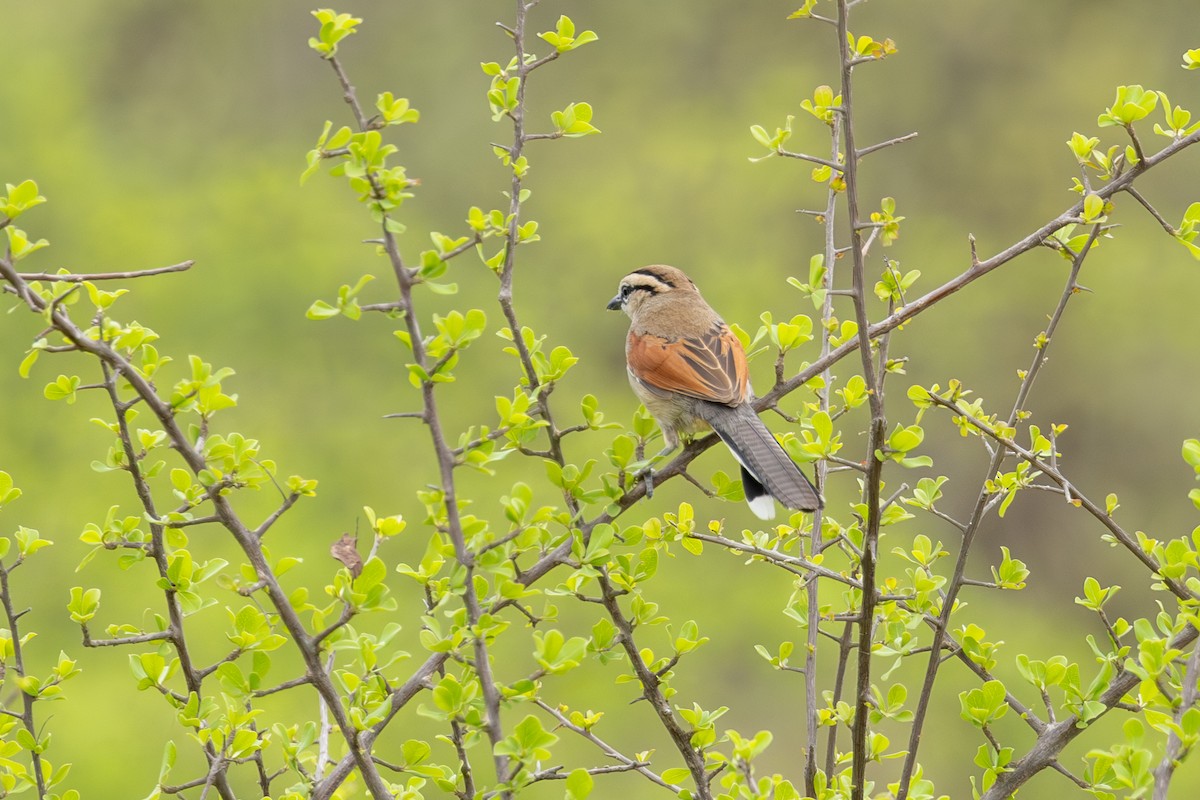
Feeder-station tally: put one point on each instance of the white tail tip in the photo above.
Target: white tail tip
(763, 506)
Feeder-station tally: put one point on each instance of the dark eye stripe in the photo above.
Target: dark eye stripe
(629, 288)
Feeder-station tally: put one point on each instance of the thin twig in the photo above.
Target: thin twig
(1166, 226)
(835, 166)
(80, 277)
(641, 767)
(898, 140)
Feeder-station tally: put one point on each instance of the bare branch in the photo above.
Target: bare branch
(1175, 748)
(348, 93)
(878, 426)
(1057, 736)
(68, 277)
(652, 692)
(814, 159)
(142, 638)
(627, 762)
(875, 147)
(1166, 226)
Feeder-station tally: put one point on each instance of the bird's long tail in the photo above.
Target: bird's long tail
(763, 460)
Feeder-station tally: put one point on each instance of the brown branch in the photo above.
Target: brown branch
(812, 700)
(164, 413)
(1166, 226)
(1120, 534)
(142, 638)
(348, 93)
(191, 675)
(865, 151)
(626, 762)
(293, 683)
(288, 502)
(1175, 750)
(878, 429)
(652, 692)
(826, 162)
(972, 526)
(18, 666)
(977, 270)
(79, 277)
(1056, 737)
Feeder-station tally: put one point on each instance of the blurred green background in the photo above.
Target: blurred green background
(170, 131)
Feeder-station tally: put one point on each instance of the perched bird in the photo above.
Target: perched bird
(690, 371)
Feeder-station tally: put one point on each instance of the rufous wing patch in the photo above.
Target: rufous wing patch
(710, 367)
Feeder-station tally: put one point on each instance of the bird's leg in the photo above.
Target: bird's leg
(672, 441)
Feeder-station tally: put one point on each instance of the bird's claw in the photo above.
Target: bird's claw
(647, 474)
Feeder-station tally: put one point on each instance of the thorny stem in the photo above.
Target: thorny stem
(26, 715)
(811, 699)
(977, 270)
(445, 455)
(607, 749)
(878, 429)
(1166, 226)
(845, 647)
(105, 276)
(649, 681)
(164, 413)
(1175, 748)
(1120, 534)
(654, 695)
(973, 524)
(1056, 737)
(191, 676)
(446, 464)
(505, 295)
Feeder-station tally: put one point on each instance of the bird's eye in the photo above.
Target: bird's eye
(625, 290)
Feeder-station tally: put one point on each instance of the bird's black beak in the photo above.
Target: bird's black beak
(614, 304)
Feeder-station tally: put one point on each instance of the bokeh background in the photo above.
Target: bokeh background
(170, 131)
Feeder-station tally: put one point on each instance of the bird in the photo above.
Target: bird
(690, 371)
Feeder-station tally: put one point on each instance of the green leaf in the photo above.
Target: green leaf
(579, 784)
(63, 388)
(676, 774)
(563, 38)
(8, 492)
(1191, 454)
(393, 111)
(1132, 103)
(83, 605)
(804, 11)
(334, 28)
(574, 120)
(20, 245)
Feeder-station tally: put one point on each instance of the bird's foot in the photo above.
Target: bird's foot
(647, 474)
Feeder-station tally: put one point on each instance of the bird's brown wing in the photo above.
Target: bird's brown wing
(711, 366)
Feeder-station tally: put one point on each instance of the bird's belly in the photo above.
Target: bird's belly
(672, 410)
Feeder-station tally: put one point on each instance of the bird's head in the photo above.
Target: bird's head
(649, 287)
